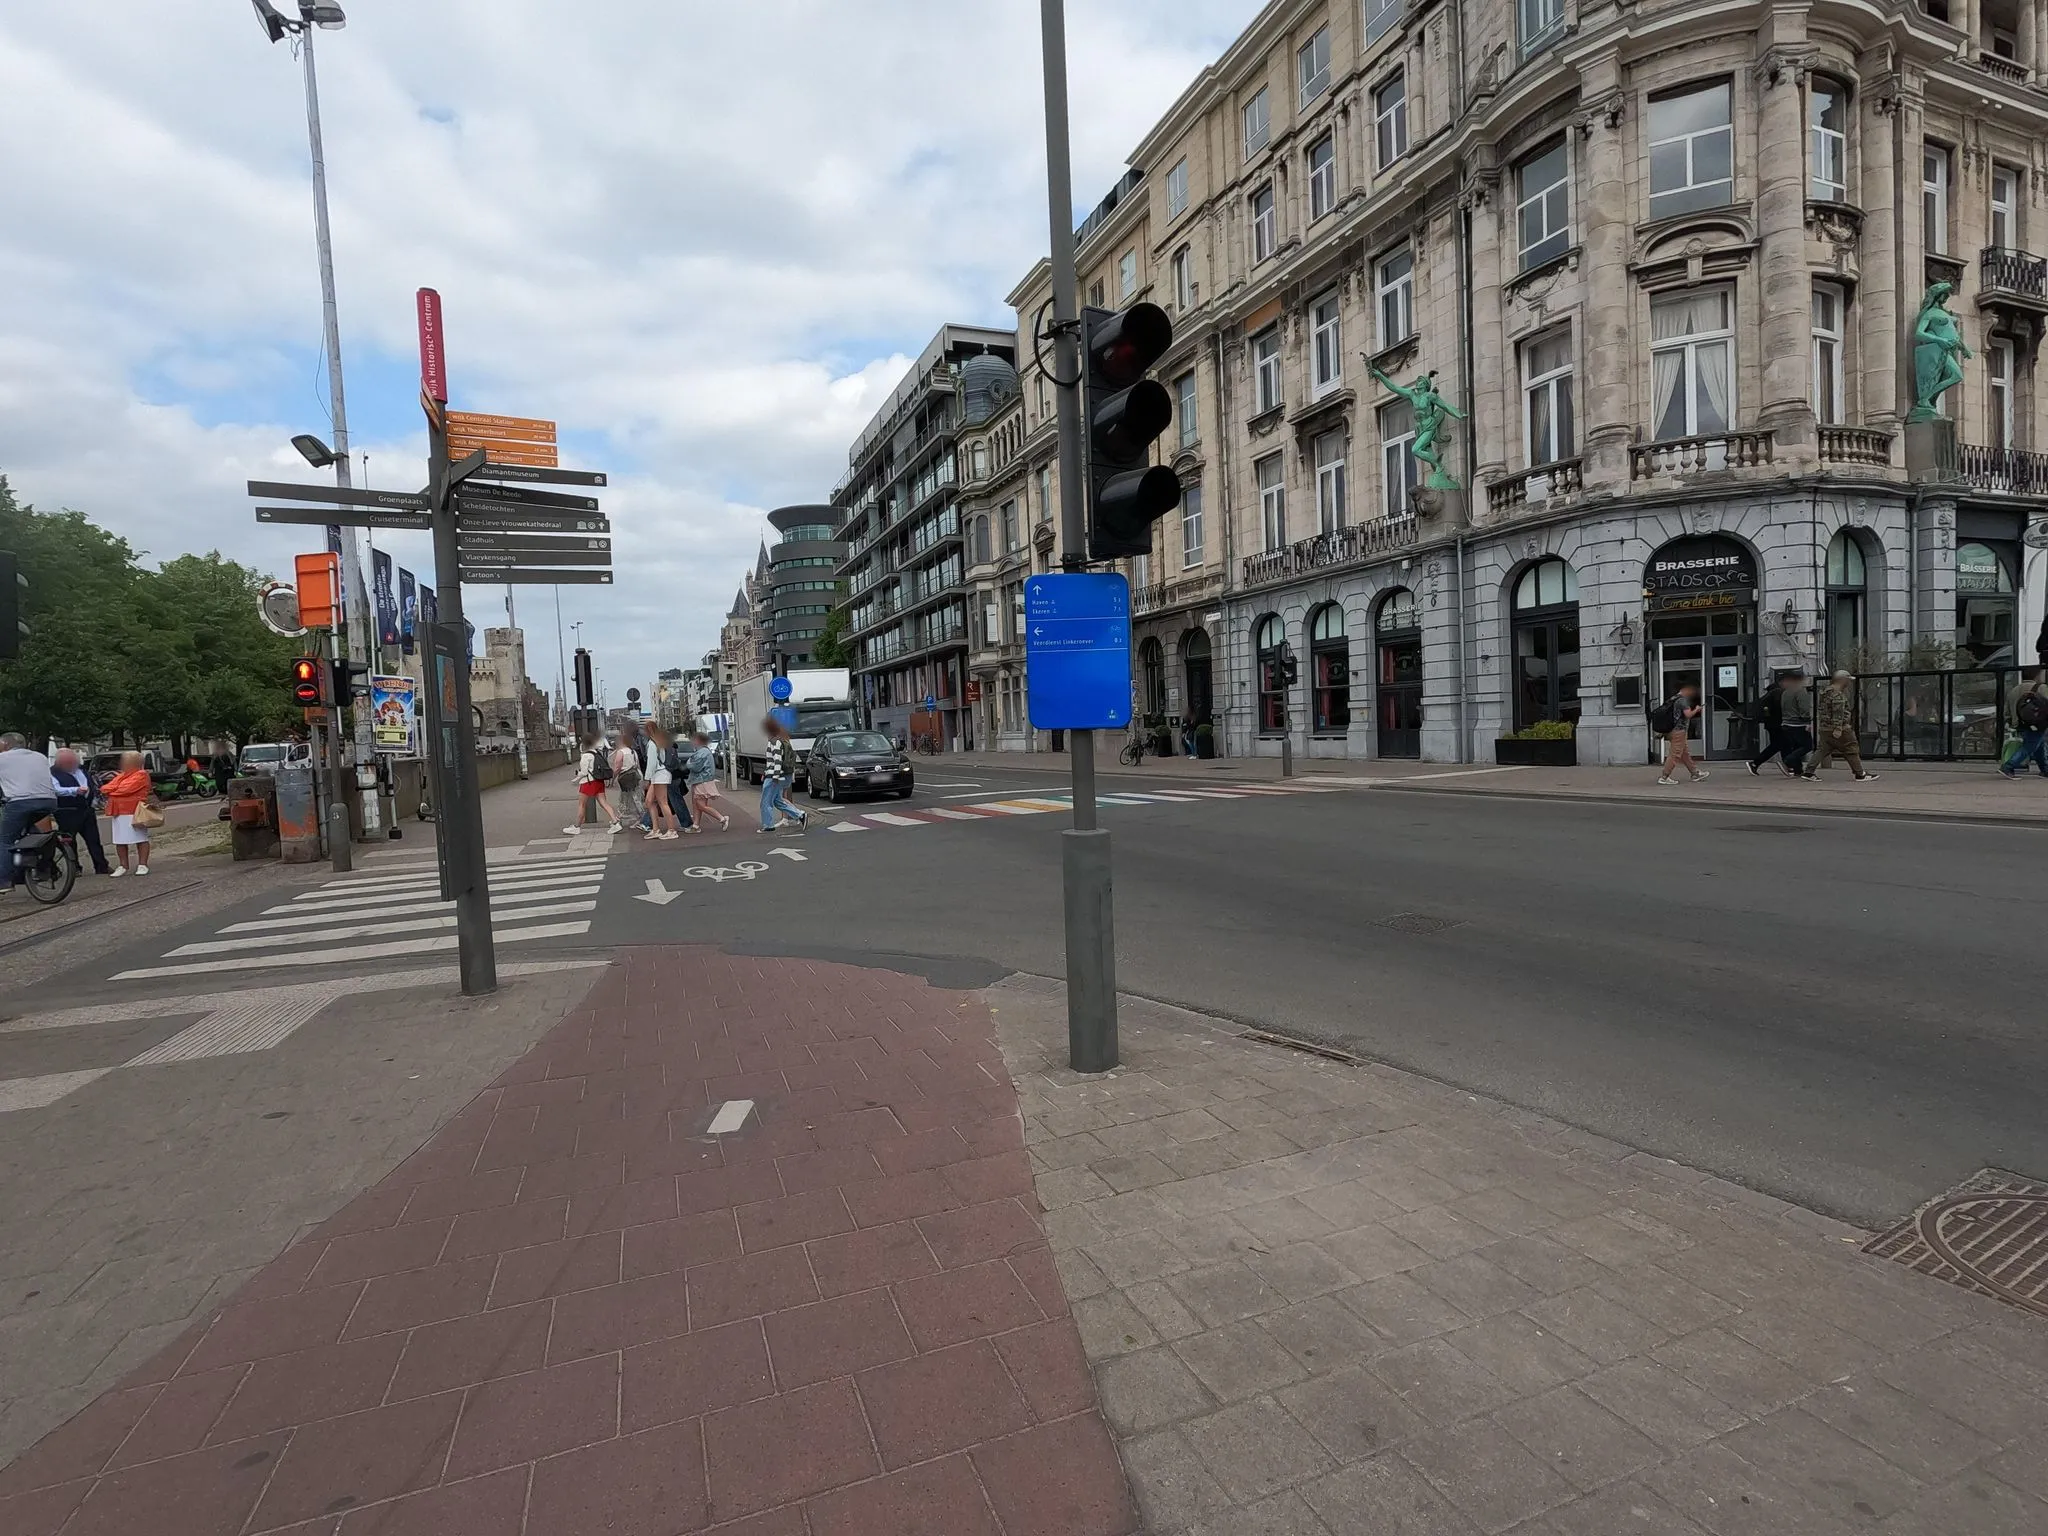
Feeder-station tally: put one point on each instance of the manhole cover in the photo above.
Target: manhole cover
(1989, 1235)
(1418, 922)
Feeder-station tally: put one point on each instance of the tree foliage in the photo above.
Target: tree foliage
(832, 648)
(164, 654)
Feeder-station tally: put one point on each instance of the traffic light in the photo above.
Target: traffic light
(1290, 669)
(586, 685)
(1126, 413)
(12, 625)
(312, 684)
(345, 675)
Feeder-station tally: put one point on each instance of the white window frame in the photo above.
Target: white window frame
(1191, 526)
(1326, 345)
(1267, 386)
(1184, 279)
(1332, 499)
(1397, 463)
(1380, 16)
(1400, 290)
(1186, 398)
(1686, 193)
(1314, 65)
(1390, 119)
(1537, 20)
(1322, 178)
(2001, 358)
(1554, 385)
(1177, 188)
(1258, 123)
(2005, 208)
(1547, 199)
(1691, 346)
(1271, 476)
(1935, 175)
(1827, 172)
(1265, 224)
(1830, 343)
(1126, 275)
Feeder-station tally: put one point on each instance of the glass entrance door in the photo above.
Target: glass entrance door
(1723, 668)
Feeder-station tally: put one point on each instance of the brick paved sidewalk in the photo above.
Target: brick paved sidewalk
(1324, 1299)
(575, 1311)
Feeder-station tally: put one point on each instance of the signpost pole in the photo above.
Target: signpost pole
(1085, 851)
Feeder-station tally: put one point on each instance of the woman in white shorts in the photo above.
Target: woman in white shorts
(661, 816)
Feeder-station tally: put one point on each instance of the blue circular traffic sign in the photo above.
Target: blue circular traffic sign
(779, 689)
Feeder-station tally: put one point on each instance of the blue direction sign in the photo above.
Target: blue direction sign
(780, 690)
(931, 702)
(1077, 651)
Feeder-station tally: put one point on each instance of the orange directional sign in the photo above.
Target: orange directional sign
(521, 440)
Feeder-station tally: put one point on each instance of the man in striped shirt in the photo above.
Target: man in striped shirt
(778, 769)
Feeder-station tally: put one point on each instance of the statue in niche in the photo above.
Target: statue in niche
(1939, 353)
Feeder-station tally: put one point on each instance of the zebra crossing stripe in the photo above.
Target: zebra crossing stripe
(947, 813)
(846, 826)
(349, 953)
(891, 819)
(250, 941)
(432, 891)
(429, 874)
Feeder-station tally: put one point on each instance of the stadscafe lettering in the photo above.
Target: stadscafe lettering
(1706, 564)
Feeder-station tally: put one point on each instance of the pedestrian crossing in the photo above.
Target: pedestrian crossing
(1062, 803)
(385, 912)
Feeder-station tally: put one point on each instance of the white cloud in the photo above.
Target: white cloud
(704, 238)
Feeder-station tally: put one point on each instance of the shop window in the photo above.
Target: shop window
(1329, 654)
(1986, 616)
(1267, 636)
(1546, 625)
(1847, 600)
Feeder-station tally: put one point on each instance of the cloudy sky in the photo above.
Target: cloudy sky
(706, 238)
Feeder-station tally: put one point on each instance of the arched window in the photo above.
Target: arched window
(1397, 612)
(1986, 620)
(1330, 664)
(1267, 636)
(1546, 604)
(1152, 673)
(1848, 585)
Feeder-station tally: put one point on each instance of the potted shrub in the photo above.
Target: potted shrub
(1205, 740)
(1546, 744)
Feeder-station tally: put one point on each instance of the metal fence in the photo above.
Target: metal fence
(1934, 716)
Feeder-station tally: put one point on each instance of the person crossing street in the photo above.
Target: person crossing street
(75, 813)
(2029, 712)
(778, 770)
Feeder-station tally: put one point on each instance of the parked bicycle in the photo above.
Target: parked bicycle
(47, 861)
(1133, 753)
(925, 743)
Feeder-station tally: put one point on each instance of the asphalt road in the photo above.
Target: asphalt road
(1840, 1011)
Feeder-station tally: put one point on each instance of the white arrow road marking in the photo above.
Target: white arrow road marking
(788, 853)
(732, 1114)
(658, 893)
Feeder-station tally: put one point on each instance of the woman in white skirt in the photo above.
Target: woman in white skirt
(654, 768)
(125, 792)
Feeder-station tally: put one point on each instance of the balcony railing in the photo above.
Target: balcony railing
(1171, 594)
(2004, 271)
(1869, 447)
(1360, 541)
(1690, 455)
(2004, 68)
(2014, 471)
(1534, 486)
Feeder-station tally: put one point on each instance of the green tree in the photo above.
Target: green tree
(74, 675)
(832, 648)
(224, 671)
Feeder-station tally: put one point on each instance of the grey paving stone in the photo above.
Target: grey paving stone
(1225, 1293)
(1300, 1270)
(1173, 1486)
(1976, 1503)
(1662, 1404)
(1823, 1466)
(1133, 1211)
(1595, 1324)
(1191, 1159)
(1323, 1333)
(1134, 1256)
(1067, 1151)
(1255, 1449)
(1737, 1372)
(1609, 1240)
(1918, 1439)
(1384, 1497)
(1439, 1383)
(1402, 1310)
(1277, 1223)
(1373, 1250)
(1148, 1389)
(1078, 1273)
(1723, 1493)
(1352, 1413)
(1286, 1515)
(1577, 1438)
(1544, 1265)
(1162, 1309)
(1817, 1350)
(1475, 1286)
(1487, 1473)
(1110, 1325)
(1520, 1353)
(1440, 1231)
(1352, 1203)
(1070, 1186)
(1194, 1124)
(1952, 1374)
(1410, 1187)
(1238, 1361)
(1673, 1304)
(1622, 1509)
(1505, 1212)
(1211, 1239)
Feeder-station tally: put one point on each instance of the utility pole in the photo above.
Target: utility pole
(1084, 848)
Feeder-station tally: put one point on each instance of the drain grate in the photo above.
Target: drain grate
(1417, 922)
(1989, 1235)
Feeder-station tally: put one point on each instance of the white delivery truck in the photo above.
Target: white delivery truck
(822, 698)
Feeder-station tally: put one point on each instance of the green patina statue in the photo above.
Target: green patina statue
(1431, 411)
(1938, 353)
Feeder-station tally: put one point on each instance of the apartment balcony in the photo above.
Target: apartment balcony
(1175, 594)
(1856, 448)
(2004, 471)
(1998, 65)
(1354, 545)
(1534, 487)
(2012, 280)
(1693, 455)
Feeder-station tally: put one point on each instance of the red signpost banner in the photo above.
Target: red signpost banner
(433, 360)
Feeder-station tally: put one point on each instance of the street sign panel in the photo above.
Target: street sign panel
(433, 361)
(528, 429)
(521, 455)
(539, 543)
(341, 495)
(354, 517)
(519, 520)
(524, 496)
(528, 576)
(539, 476)
(470, 557)
(1077, 651)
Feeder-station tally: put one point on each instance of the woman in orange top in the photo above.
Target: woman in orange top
(125, 791)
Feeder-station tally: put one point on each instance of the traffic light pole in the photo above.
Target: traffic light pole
(1084, 848)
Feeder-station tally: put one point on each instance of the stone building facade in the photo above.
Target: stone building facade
(1667, 258)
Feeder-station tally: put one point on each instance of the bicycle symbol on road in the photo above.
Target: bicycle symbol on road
(746, 869)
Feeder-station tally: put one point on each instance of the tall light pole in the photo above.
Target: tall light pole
(361, 629)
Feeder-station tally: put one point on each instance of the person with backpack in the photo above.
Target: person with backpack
(1672, 720)
(1795, 727)
(593, 775)
(1770, 714)
(675, 762)
(1836, 714)
(702, 772)
(2030, 719)
(654, 770)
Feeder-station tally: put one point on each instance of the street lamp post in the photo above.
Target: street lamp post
(277, 27)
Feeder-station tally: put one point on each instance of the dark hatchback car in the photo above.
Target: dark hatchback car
(847, 763)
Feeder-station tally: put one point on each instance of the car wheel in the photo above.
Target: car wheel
(831, 789)
(903, 794)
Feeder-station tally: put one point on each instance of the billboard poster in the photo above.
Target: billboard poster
(408, 608)
(387, 600)
(391, 713)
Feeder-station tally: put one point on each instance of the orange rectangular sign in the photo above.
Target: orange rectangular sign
(499, 451)
(523, 428)
(318, 579)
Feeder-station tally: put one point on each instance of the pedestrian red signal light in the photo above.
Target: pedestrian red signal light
(307, 691)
